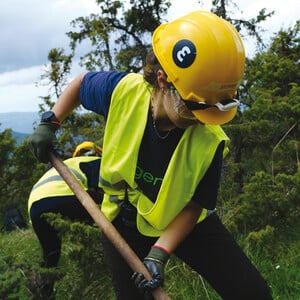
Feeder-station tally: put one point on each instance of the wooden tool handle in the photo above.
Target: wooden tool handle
(106, 226)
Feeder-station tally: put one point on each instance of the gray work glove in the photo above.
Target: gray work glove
(43, 140)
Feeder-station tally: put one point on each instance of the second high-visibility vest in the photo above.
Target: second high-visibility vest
(51, 184)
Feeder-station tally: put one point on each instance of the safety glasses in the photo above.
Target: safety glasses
(224, 105)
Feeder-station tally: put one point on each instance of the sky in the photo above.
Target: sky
(31, 28)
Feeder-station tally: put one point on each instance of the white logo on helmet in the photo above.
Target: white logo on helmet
(184, 53)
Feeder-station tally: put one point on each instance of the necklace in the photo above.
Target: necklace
(162, 137)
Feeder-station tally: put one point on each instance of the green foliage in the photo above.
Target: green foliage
(56, 74)
(276, 255)
(7, 143)
(251, 26)
(18, 261)
(79, 127)
(183, 283)
(259, 193)
(85, 273)
(17, 174)
(82, 274)
(261, 239)
(265, 134)
(129, 30)
(264, 203)
(277, 68)
(119, 35)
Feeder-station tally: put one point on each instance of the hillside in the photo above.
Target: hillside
(20, 122)
(20, 136)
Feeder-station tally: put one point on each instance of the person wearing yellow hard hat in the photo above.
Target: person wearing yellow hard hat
(52, 194)
(162, 155)
(87, 149)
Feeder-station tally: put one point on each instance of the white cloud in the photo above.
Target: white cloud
(180, 7)
(20, 98)
(18, 90)
(29, 29)
(22, 76)
(286, 12)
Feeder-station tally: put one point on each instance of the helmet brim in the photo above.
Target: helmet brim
(86, 146)
(213, 116)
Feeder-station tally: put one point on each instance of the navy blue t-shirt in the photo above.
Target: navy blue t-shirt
(155, 153)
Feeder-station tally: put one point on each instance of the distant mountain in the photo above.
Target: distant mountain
(20, 136)
(20, 122)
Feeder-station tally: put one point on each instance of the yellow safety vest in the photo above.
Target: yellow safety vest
(123, 134)
(51, 184)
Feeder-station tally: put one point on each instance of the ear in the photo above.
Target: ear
(162, 79)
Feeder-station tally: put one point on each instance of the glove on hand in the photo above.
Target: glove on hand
(42, 140)
(155, 262)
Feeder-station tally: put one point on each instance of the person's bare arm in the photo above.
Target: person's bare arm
(180, 227)
(69, 99)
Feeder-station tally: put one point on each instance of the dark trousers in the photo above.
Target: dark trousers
(67, 206)
(209, 249)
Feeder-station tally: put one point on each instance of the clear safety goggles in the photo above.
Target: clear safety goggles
(223, 105)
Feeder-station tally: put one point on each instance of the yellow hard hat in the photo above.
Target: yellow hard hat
(204, 58)
(87, 149)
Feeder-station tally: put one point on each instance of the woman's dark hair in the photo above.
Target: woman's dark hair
(150, 68)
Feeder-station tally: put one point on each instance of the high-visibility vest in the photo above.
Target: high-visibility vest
(51, 184)
(123, 134)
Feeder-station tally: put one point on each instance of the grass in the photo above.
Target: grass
(82, 273)
(283, 273)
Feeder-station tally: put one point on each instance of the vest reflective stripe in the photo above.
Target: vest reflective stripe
(56, 178)
(116, 186)
(115, 199)
(123, 134)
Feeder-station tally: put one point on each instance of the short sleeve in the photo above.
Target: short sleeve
(96, 90)
(207, 190)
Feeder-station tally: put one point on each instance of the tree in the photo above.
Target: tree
(251, 26)
(7, 144)
(120, 39)
(270, 97)
(16, 173)
(78, 126)
(276, 69)
(120, 35)
(264, 204)
(261, 175)
(56, 73)
(259, 191)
